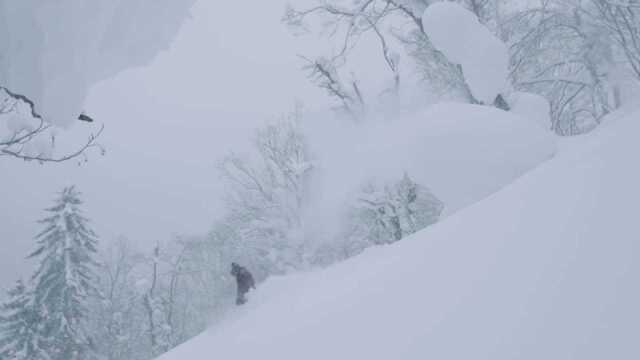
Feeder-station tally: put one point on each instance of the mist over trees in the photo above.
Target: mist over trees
(571, 61)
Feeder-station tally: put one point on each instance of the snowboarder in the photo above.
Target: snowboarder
(245, 282)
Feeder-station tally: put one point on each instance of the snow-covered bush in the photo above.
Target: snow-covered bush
(383, 214)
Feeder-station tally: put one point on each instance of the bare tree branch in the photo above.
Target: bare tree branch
(14, 145)
(80, 152)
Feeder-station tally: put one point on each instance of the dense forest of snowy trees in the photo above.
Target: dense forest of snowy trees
(579, 55)
(573, 61)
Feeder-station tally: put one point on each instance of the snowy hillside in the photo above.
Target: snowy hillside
(546, 268)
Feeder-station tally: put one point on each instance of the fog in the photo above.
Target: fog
(265, 163)
(166, 125)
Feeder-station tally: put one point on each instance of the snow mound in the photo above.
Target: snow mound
(54, 51)
(547, 268)
(463, 40)
(461, 152)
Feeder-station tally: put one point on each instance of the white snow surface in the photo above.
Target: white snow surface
(531, 106)
(54, 51)
(546, 268)
(458, 34)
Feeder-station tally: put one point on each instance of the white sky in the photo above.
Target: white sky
(166, 125)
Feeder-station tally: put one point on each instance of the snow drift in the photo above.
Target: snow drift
(461, 152)
(547, 268)
(54, 51)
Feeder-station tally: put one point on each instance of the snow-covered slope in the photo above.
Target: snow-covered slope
(547, 268)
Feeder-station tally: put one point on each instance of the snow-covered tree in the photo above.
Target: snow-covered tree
(560, 52)
(573, 53)
(20, 327)
(388, 213)
(53, 55)
(152, 303)
(65, 279)
(196, 283)
(266, 197)
(324, 73)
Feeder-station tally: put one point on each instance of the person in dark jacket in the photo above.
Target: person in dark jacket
(244, 280)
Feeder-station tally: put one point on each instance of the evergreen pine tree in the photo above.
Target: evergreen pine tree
(20, 327)
(64, 279)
